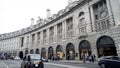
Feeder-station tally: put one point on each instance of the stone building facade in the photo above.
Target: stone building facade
(84, 27)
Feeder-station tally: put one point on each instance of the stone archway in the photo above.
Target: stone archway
(37, 51)
(70, 52)
(43, 53)
(21, 55)
(106, 46)
(59, 52)
(26, 52)
(50, 52)
(31, 51)
(84, 49)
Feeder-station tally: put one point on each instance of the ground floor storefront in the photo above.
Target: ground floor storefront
(98, 44)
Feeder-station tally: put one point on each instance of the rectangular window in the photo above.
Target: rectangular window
(59, 28)
(38, 36)
(22, 41)
(44, 34)
(69, 25)
(51, 31)
(33, 37)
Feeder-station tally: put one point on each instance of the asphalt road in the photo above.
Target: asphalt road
(51, 64)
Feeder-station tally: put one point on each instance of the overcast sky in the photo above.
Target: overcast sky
(16, 14)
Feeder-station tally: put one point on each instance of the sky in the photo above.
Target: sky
(17, 14)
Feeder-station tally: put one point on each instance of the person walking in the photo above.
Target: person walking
(90, 58)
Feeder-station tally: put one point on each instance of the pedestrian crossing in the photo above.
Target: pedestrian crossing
(66, 66)
(2, 65)
(13, 63)
(10, 64)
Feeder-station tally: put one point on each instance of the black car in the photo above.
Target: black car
(32, 61)
(109, 62)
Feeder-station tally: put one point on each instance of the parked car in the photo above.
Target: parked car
(109, 62)
(32, 61)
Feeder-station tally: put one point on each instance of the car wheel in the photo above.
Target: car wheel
(103, 65)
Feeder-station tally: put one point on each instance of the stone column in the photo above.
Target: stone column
(36, 39)
(92, 21)
(110, 12)
(41, 38)
(65, 30)
(55, 33)
(94, 50)
(30, 38)
(48, 34)
(118, 49)
(64, 51)
(47, 52)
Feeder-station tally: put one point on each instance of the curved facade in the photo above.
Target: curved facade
(83, 27)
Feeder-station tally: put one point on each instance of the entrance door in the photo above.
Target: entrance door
(50, 52)
(106, 47)
(84, 49)
(59, 52)
(43, 53)
(70, 52)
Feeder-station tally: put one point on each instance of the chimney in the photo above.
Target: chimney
(48, 13)
(70, 1)
(32, 21)
(38, 21)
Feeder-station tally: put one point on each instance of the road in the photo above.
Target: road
(51, 64)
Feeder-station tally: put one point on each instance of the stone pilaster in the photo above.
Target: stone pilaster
(55, 33)
(48, 35)
(110, 12)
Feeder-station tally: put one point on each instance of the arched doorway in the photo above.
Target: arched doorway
(21, 55)
(70, 52)
(37, 51)
(43, 53)
(59, 51)
(106, 46)
(50, 52)
(31, 51)
(84, 49)
(26, 52)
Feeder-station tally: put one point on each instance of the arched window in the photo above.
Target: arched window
(81, 14)
(82, 23)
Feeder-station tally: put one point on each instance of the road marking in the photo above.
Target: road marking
(5, 65)
(62, 65)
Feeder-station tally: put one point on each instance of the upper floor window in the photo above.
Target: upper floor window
(51, 31)
(69, 22)
(44, 34)
(22, 41)
(33, 37)
(102, 20)
(81, 14)
(100, 10)
(27, 39)
(38, 36)
(82, 23)
(59, 28)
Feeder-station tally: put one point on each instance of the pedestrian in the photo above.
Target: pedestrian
(29, 62)
(90, 58)
(84, 60)
(94, 57)
(41, 64)
(68, 57)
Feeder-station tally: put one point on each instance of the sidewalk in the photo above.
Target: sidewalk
(75, 61)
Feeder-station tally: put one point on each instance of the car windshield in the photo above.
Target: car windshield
(116, 58)
(34, 56)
